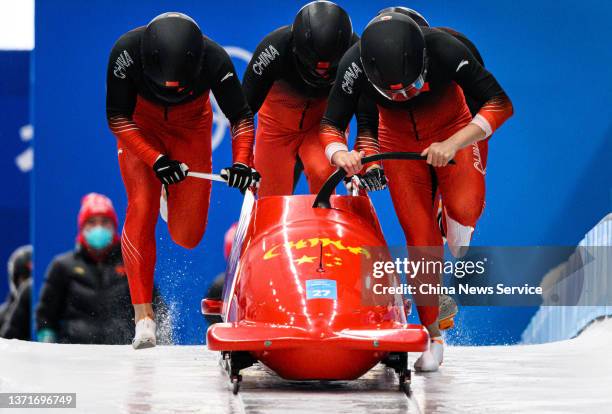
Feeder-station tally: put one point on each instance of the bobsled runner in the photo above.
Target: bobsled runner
(296, 294)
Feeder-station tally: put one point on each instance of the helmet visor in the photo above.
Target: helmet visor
(400, 93)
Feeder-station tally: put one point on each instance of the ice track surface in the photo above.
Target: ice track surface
(567, 377)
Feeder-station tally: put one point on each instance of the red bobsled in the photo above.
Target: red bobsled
(296, 297)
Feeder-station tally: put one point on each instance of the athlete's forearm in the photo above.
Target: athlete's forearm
(128, 133)
(243, 137)
(490, 117)
(466, 136)
(367, 142)
(493, 114)
(332, 139)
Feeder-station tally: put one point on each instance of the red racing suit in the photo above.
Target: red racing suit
(435, 115)
(290, 112)
(288, 129)
(146, 126)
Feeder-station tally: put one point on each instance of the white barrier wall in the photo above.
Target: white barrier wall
(587, 276)
(16, 25)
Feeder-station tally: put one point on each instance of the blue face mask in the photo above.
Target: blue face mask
(99, 237)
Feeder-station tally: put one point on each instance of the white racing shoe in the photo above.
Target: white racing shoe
(145, 334)
(430, 360)
(458, 236)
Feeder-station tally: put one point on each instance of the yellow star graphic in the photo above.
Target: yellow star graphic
(305, 259)
(300, 244)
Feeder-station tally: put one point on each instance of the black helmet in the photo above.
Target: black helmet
(322, 32)
(19, 267)
(413, 14)
(393, 55)
(172, 55)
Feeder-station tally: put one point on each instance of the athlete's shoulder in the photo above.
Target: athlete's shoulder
(276, 45)
(272, 53)
(351, 57)
(350, 69)
(352, 54)
(436, 37)
(125, 53)
(279, 39)
(130, 40)
(465, 40)
(443, 47)
(450, 30)
(217, 63)
(212, 49)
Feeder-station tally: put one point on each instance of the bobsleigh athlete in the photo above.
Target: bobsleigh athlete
(159, 79)
(416, 79)
(448, 307)
(473, 103)
(287, 83)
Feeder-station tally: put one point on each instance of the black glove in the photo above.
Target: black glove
(169, 171)
(373, 180)
(241, 176)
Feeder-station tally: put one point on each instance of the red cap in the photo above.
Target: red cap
(94, 204)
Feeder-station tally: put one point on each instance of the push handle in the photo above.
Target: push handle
(322, 200)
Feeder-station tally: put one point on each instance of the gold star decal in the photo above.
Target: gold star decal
(305, 259)
(300, 244)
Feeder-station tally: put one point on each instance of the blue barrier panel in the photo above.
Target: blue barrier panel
(16, 155)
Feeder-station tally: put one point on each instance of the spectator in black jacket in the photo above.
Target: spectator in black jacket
(85, 297)
(15, 311)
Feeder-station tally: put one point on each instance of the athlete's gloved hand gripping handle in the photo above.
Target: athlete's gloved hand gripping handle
(169, 171)
(374, 179)
(241, 176)
(323, 197)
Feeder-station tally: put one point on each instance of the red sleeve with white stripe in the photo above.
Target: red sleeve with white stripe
(493, 114)
(243, 137)
(124, 128)
(332, 139)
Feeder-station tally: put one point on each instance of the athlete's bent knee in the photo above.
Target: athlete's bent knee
(466, 214)
(187, 239)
